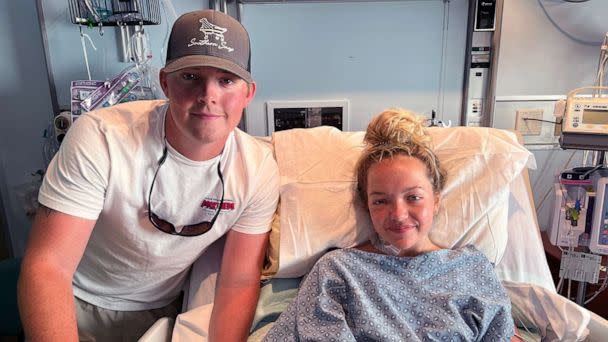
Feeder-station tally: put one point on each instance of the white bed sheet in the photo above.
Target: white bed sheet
(524, 259)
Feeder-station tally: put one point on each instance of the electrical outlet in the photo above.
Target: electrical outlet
(529, 121)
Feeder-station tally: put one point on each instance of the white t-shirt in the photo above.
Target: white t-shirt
(104, 170)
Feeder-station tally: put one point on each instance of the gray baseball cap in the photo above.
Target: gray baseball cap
(209, 38)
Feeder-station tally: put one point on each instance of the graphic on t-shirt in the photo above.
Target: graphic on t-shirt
(211, 204)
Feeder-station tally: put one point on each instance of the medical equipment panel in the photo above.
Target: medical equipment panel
(478, 79)
(481, 59)
(586, 115)
(599, 232)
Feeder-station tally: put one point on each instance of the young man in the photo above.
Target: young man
(139, 190)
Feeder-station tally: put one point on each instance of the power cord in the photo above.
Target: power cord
(541, 120)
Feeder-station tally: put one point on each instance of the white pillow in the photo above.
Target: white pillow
(481, 164)
(319, 209)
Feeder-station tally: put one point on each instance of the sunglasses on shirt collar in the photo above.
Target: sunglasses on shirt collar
(188, 230)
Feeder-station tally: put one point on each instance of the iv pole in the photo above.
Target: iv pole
(598, 156)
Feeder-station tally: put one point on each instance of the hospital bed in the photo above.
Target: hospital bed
(486, 202)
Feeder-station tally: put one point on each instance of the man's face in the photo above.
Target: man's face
(205, 105)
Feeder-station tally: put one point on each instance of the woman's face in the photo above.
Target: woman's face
(401, 203)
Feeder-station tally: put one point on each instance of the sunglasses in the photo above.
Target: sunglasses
(191, 229)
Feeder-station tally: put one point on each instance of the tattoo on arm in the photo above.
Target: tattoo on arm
(47, 211)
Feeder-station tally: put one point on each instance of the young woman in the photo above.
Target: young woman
(399, 286)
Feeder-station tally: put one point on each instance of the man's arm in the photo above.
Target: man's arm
(238, 286)
(46, 299)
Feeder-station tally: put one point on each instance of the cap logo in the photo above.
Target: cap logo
(214, 32)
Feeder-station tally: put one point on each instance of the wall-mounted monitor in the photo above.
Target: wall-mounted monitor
(284, 115)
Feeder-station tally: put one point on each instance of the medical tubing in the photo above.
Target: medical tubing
(384, 246)
(600, 290)
(603, 59)
(84, 50)
(571, 250)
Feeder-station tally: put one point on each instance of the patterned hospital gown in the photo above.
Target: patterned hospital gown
(353, 295)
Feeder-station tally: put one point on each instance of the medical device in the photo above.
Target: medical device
(599, 228)
(586, 114)
(580, 214)
(573, 195)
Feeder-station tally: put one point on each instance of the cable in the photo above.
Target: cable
(600, 290)
(591, 170)
(541, 120)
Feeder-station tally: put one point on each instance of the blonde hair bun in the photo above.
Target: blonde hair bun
(398, 132)
(397, 127)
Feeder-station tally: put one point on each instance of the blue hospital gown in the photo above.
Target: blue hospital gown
(353, 295)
